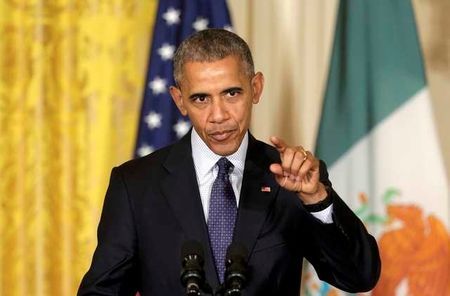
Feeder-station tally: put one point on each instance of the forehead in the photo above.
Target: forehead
(230, 65)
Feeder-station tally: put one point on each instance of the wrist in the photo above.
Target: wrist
(319, 201)
(316, 197)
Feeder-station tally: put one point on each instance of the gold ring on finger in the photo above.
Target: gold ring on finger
(305, 155)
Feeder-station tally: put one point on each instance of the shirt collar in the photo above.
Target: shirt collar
(205, 159)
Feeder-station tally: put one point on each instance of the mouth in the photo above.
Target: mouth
(221, 136)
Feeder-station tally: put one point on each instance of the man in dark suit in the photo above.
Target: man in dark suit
(280, 204)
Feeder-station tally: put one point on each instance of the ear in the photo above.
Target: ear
(257, 86)
(175, 92)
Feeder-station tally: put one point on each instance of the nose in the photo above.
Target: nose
(218, 111)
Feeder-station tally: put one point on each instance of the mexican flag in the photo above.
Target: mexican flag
(377, 136)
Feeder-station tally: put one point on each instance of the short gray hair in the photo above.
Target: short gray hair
(209, 46)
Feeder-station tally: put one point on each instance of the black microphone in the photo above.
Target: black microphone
(192, 274)
(235, 269)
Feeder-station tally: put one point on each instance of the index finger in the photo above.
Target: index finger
(279, 144)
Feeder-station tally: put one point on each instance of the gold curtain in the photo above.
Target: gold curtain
(71, 79)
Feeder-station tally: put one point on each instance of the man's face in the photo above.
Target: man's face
(218, 98)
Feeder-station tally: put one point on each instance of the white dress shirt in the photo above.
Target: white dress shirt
(206, 171)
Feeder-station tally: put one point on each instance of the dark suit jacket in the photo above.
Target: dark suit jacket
(153, 205)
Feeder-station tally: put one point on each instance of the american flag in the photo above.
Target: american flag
(160, 122)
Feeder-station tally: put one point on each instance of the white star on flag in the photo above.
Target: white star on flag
(172, 16)
(145, 150)
(153, 120)
(160, 122)
(166, 51)
(158, 85)
(200, 24)
(181, 127)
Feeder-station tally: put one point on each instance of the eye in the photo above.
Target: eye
(200, 99)
(233, 92)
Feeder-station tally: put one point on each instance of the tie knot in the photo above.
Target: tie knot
(224, 166)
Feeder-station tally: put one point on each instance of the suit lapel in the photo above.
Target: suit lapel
(180, 187)
(257, 194)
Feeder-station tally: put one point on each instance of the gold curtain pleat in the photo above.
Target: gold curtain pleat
(71, 80)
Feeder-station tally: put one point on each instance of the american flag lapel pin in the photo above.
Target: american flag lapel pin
(265, 189)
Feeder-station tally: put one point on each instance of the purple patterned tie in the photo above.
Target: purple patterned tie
(222, 215)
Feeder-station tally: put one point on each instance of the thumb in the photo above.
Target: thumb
(276, 169)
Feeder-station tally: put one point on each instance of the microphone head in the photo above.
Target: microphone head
(236, 273)
(236, 252)
(192, 274)
(192, 248)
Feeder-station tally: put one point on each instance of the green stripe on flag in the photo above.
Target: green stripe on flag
(375, 67)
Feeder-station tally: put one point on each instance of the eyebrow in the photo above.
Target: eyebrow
(195, 95)
(235, 89)
(227, 90)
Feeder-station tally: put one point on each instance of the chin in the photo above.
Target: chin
(224, 150)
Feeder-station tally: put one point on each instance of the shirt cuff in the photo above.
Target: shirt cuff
(325, 216)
